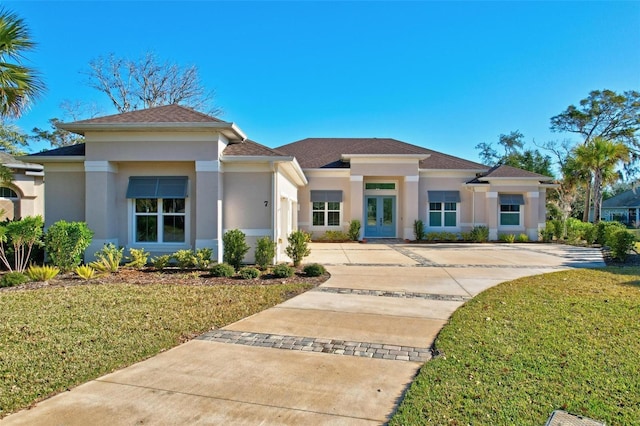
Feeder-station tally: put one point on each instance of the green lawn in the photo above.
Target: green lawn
(54, 339)
(568, 340)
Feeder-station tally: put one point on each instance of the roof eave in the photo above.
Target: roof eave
(57, 159)
(418, 157)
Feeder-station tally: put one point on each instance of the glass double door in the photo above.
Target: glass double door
(381, 212)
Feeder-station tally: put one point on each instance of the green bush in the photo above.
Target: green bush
(314, 270)
(507, 238)
(65, 243)
(85, 272)
(578, 231)
(12, 279)
(249, 273)
(235, 247)
(282, 270)
(298, 247)
(265, 252)
(137, 258)
(522, 238)
(108, 258)
(222, 270)
(42, 273)
(547, 233)
(184, 259)
(605, 230)
(21, 236)
(480, 234)
(334, 236)
(466, 236)
(354, 230)
(558, 228)
(161, 262)
(418, 230)
(621, 242)
(202, 258)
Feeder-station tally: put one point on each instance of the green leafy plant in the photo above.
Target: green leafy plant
(298, 247)
(108, 258)
(235, 247)
(522, 238)
(605, 231)
(418, 230)
(12, 279)
(480, 234)
(249, 273)
(354, 230)
(137, 258)
(23, 234)
(65, 243)
(507, 238)
(161, 262)
(42, 273)
(202, 258)
(334, 236)
(314, 270)
(222, 270)
(282, 270)
(184, 259)
(265, 252)
(85, 272)
(621, 242)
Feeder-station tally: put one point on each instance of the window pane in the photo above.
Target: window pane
(387, 211)
(450, 206)
(318, 218)
(435, 219)
(147, 228)
(173, 205)
(173, 231)
(509, 208)
(333, 206)
(372, 211)
(450, 219)
(334, 219)
(7, 192)
(379, 186)
(318, 205)
(509, 219)
(435, 206)
(146, 205)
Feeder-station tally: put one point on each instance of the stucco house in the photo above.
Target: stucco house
(170, 178)
(624, 207)
(24, 195)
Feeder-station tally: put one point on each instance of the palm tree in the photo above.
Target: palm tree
(599, 157)
(19, 84)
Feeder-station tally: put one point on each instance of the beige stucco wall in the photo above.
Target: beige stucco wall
(30, 191)
(64, 197)
(454, 182)
(319, 182)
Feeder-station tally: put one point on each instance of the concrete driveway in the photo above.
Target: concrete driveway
(343, 353)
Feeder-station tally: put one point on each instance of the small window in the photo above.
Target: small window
(374, 185)
(7, 192)
(443, 214)
(160, 220)
(510, 214)
(326, 213)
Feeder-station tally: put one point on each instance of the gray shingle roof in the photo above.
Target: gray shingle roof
(65, 151)
(630, 198)
(252, 148)
(161, 114)
(317, 153)
(509, 172)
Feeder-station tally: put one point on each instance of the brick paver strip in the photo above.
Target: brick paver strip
(397, 294)
(310, 344)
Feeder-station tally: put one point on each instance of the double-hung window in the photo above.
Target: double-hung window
(510, 210)
(326, 208)
(160, 213)
(443, 208)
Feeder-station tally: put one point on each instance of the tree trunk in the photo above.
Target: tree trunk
(597, 195)
(587, 202)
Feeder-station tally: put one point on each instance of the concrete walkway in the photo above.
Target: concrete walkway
(343, 353)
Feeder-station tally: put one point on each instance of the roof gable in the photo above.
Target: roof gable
(162, 114)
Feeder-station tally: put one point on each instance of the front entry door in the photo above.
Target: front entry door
(381, 221)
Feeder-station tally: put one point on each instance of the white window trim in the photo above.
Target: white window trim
(326, 216)
(442, 227)
(172, 246)
(519, 227)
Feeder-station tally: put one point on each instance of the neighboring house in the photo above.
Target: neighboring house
(170, 178)
(24, 195)
(624, 207)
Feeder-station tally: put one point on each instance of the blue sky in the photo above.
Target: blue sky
(444, 75)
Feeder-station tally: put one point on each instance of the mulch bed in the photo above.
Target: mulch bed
(168, 276)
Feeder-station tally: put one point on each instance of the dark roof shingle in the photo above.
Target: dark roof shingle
(630, 198)
(161, 114)
(65, 151)
(251, 148)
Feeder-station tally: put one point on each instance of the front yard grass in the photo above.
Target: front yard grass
(568, 340)
(54, 339)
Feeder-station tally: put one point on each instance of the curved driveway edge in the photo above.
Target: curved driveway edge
(343, 353)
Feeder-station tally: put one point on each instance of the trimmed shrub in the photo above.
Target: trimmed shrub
(334, 236)
(65, 243)
(480, 234)
(265, 252)
(354, 230)
(418, 230)
(578, 231)
(605, 230)
(85, 272)
(314, 270)
(108, 258)
(522, 238)
(222, 270)
(298, 247)
(42, 273)
(137, 258)
(249, 273)
(282, 270)
(184, 258)
(558, 228)
(507, 238)
(621, 242)
(161, 262)
(235, 247)
(202, 258)
(12, 279)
